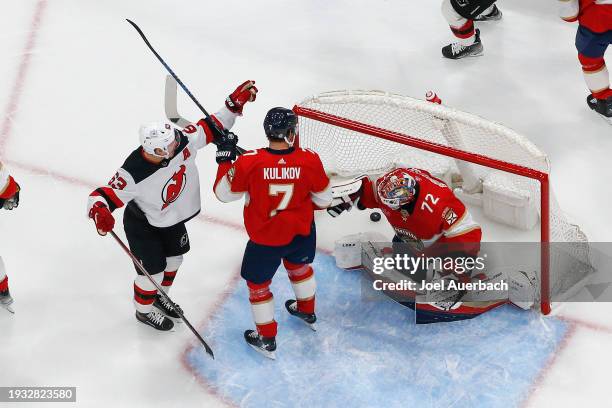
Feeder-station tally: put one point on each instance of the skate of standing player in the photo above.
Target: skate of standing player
(283, 186)
(160, 187)
(9, 199)
(460, 15)
(593, 37)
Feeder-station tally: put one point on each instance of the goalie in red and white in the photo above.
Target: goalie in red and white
(428, 220)
(421, 208)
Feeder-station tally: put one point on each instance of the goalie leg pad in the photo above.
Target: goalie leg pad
(523, 289)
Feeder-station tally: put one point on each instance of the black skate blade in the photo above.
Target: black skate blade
(269, 354)
(605, 119)
(313, 326)
(154, 328)
(8, 307)
(159, 331)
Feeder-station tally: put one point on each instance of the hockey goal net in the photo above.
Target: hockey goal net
(489, 165)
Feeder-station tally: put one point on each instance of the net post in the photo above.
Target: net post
(545, 244)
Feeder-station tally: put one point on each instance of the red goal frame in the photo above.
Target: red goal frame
(486, 161)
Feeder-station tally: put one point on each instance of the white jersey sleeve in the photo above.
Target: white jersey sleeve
(199, 134)
(121, 189)
(4, 178)
(569, 9)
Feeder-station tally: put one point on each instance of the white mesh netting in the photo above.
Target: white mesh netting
(347, 153)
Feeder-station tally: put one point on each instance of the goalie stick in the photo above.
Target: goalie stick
(178, 310)
(239, 149)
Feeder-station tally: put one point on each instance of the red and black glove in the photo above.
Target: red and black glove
(9, 198)
(246, 92)
(105, 222)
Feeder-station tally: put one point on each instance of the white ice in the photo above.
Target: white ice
(90, 82)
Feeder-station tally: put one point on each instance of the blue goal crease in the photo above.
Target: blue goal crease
(370, 353)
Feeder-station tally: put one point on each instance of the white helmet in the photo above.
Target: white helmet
(157, 135)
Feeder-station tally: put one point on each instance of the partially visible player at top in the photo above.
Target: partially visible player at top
(423, 211)
(593, 37)
(460, 15)
(9, 199)
(160, 187)
(283, 185)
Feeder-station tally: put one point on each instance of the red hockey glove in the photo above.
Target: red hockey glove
(105, 222)
(246, 92)
(9, 198)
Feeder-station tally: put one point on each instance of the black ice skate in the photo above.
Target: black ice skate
(156, 320)
(166, 308)
(6, 301)
(601, 106)
(494, 15)
(458, 51)
(263, 345)
(308, 318)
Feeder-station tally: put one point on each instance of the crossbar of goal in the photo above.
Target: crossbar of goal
(468, 157)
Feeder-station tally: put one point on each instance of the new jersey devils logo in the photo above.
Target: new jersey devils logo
(174, 187)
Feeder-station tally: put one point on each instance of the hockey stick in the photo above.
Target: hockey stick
(170, 105)
(239, 149)
(162, 293)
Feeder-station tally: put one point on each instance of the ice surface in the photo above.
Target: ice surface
(89, 84)
(370, 353)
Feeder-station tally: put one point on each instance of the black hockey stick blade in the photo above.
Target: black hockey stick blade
(178, 310)
(176, 78)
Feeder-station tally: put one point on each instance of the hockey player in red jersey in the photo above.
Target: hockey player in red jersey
(283, 186)
(159, 186)
(460, 15)
(429, 221)
(9, 199)
(592, 40)
(422, 210)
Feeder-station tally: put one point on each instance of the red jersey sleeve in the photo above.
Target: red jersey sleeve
(368, 194)
(320, 181)
(238, 174)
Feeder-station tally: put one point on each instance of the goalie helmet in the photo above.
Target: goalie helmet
(396, 189)
(279, 123)
(158, 135)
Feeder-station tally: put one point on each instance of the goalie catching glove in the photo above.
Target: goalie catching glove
(345, 195)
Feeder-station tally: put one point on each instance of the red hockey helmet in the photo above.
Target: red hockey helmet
(396, 188)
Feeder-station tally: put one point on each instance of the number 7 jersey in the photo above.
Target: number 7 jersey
(282, 189)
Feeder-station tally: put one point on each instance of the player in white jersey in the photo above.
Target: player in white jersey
(9, 199)
(160, 187)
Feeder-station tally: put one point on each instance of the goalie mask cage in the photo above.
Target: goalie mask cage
(357, 132)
